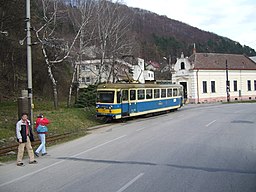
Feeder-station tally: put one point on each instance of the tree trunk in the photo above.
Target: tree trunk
(72, 85)
(54, 84)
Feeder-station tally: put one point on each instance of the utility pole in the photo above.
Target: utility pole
(227, 82)
(29, 59)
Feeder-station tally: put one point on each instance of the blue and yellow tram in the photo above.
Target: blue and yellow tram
(116, 101)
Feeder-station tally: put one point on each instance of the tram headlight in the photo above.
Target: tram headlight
(110, 107)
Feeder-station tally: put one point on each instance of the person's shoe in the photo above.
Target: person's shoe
(33, 162)
(36, 154)
(20, 164)
(43, 154)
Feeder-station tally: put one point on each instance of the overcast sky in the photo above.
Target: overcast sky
(235, 19)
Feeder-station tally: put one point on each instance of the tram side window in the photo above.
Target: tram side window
(125, 95)
(141, 94)
(163, 93)
(118, 94)
(169, 92)
(156, 93)
(175, 92)
(181, 92)
(132, 94)
(149, 94)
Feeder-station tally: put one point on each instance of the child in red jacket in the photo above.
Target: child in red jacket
(41, 121)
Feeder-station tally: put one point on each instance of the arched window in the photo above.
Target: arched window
(182, 65)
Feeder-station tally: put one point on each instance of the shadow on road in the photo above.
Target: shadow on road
(207, 169)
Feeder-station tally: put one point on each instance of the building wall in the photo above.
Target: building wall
(193, 79)
(148, 75)
(196, 93)
(138, 71)
(89, 71)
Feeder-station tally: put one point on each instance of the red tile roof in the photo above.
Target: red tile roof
(154, 64)
(213, 61)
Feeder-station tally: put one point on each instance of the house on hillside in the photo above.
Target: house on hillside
(93, 71)
(140, 74)
(214, 77)
(153, 66)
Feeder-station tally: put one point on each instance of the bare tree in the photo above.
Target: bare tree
(49, 40)
(81, 16)
(113, 28)
(122, 41)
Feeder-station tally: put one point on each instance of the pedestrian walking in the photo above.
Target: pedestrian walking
(41, 130)
(24, 133)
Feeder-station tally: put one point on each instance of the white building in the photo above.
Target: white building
(204, 77)
(89, 72)
(140, 74)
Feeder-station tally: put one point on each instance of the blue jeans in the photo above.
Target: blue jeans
(42, 145)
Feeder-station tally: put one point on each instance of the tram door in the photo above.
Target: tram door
(132, 101)
(124, 103)
(185, 88)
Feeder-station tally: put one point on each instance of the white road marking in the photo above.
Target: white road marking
(210, 123)
(59, 162)
(99, 146)
(141, 129)
(130, 182)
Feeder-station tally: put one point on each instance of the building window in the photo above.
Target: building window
(88, 79)
(83, 80)
(249, 85)
(235, 85)
(83, 68)
(213, 86)
(106, 67)
(182, 65)
(254, 85)
(204, 86)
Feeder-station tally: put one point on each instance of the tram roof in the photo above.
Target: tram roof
(136, 85)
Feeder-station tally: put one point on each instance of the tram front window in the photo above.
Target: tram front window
(105, 97)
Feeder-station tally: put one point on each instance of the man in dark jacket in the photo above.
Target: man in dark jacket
(23, 130)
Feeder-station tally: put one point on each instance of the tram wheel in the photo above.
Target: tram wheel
(107, 119)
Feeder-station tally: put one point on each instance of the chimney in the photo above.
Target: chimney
(194, 49)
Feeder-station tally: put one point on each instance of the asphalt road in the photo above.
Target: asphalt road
(199, 148)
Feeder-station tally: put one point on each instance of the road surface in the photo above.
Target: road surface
(208, 148)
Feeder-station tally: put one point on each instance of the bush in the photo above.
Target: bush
(86, 97)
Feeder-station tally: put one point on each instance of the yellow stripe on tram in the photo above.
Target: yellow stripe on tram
(109, 111)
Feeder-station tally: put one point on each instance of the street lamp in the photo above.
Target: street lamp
(29, 58)
(168, 59)
(227, 82)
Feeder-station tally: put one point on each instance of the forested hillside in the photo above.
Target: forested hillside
(161, 36)
(63, 31)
